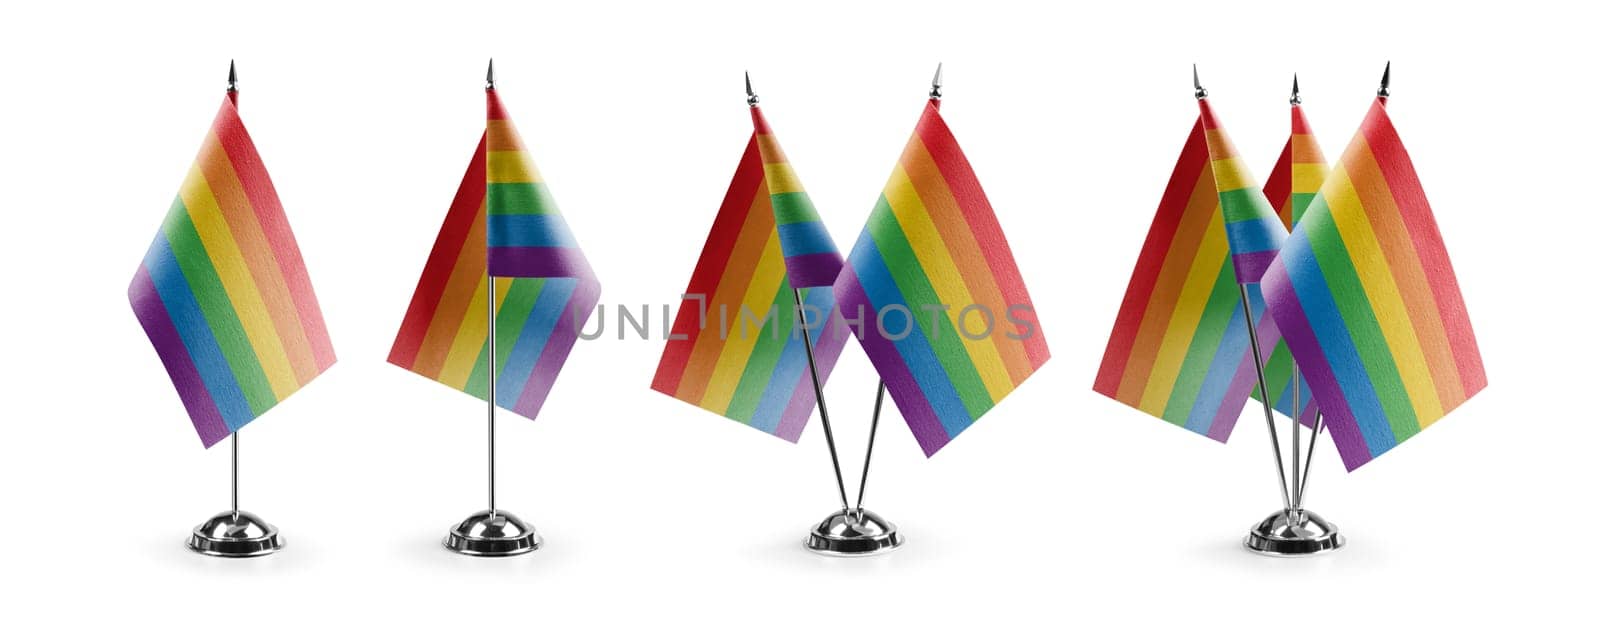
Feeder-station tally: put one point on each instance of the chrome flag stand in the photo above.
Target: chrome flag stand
(852, 530)
(235, 533)
(493, 531)
(1290, 531)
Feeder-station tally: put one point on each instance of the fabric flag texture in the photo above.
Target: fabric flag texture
(1180, 348)
(223, 292)
(735, 348)
(1291, 186)
(933, 258)
(1368, 302)
(503, 220)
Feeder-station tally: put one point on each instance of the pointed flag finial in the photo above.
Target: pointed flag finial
(233, 78)
(1294, 94)
(1383, 84)
(935, 93)
(749, 92)
(1199, 91)
(488, 80)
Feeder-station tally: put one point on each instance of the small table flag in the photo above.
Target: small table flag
(1180, 347)
(931, 257)
(503, 221)
(223, 293)
(734, 348)
(1367, 300)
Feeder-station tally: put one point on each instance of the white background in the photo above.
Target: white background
(1060, 510)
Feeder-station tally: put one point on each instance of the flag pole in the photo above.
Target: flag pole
(235, 533)
(492, 532)
(1292, 531)
(1255, 355)
(1316, 424)
(935, 93)
(811, 360)
(850, 531)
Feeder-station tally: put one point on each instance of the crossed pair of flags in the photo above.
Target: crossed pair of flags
(224, 295)
(927, 290)
(1346, 275)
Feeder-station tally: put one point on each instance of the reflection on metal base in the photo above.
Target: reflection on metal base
(235, 535)
(1297, 533)
(848, 533)
(490, 535)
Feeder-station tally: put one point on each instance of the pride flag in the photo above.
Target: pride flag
(1291, 186)
(734, 348)
(933, 258)
(1368, 302)
(1180, 348)
(223, 293)
(504, 220)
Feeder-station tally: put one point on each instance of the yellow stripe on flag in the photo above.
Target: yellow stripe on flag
(237, 283)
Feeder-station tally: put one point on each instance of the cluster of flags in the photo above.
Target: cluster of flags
(931, 251)
(1346, 278)
(1340, 272)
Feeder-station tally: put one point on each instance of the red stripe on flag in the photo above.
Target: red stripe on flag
(436, 273)
(712, 266)
(1192, 162)
(1406, 188)
(263, 198)
(981, 221)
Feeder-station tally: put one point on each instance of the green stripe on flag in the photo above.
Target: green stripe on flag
(521, 198)
(917, 291)
(757, 375)
(1339, 273)
(218, 309)
(1220, 307)
(508, 323)
(793, 207)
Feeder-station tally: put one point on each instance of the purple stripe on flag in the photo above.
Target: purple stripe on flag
(1290, 317)
(543, 376)
(827, 346)
(919, 415)
(174, 355)
(813, 270)
(1244, 377)
(538, 262)
(1248, 267)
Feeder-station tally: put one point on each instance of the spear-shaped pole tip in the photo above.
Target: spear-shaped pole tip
(1294, 94)
(488, 80)
(1383, 84)
(1199, 91)
(750, 92)
(233, 78)
(936, 92)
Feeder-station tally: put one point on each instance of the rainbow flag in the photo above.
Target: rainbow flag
(1180, 348)
(1294, 181)
(1368, 302)
(223, 293)
(734, 348)
(933, 258)
(1254, 233)
(501, 209)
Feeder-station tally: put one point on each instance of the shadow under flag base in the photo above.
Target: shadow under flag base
(235, 534)
(492, 534)
(1293, 533)
(850, 532)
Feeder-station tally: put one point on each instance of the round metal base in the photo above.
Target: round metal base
(486, 534)
(1290, 534)
(231, 535)
(848, 533)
